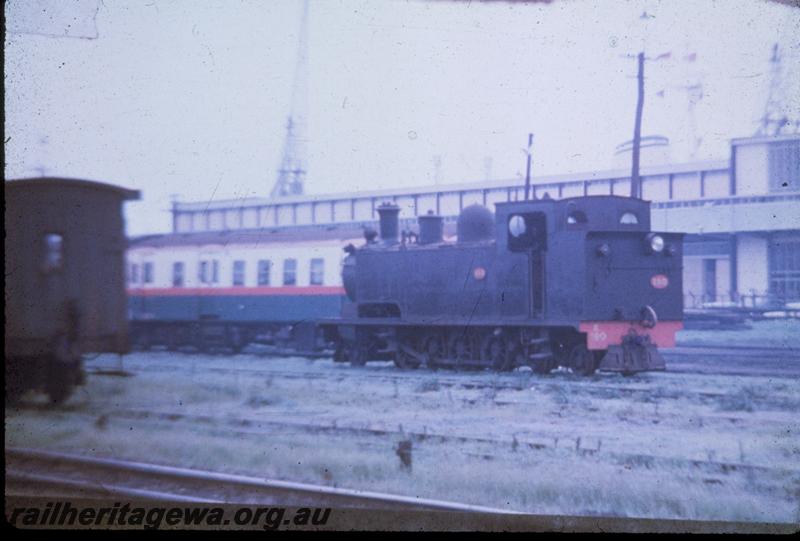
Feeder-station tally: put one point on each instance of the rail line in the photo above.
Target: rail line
(444, 379)
(711, 349)
(113, 477)
(698, 360)
(735, 351)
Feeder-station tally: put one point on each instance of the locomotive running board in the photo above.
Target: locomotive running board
(630, 358)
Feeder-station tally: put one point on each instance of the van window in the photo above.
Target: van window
(53, 252)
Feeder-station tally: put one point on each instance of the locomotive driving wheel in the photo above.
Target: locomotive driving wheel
(433, 351)
(581, 360)
(460, 350)
(356, 353)
(497, 354)
(404, 360)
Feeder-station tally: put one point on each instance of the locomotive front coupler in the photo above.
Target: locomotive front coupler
(636, 353)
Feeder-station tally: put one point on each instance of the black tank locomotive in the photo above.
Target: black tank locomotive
(580, 283)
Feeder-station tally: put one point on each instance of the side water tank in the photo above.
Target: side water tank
(349, 277)
(475, 223)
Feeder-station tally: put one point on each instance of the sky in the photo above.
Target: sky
(188, 99)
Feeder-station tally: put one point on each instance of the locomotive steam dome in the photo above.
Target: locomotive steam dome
(475, 223)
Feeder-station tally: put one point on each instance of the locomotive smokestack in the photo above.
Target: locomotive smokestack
(390, 223)
(430, 228)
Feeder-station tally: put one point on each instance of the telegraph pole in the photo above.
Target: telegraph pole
(636, 188)
(528, 172)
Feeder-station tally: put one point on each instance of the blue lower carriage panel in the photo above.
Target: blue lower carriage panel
(230, 317)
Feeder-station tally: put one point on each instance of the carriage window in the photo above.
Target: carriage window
(202, 272)
(263, 272)
(177, 274)
(238, 273)
(289, 272)
(134, 274)
(576, 217)
(317, 272)
(53, 252)
(147, 272)
(629, 218)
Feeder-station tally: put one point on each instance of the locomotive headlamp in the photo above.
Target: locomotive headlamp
(655, 243)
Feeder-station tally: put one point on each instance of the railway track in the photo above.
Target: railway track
(483, 381)
(388, 374)
(683, 349)
(709, 350)
(699, 360)
(85, 476)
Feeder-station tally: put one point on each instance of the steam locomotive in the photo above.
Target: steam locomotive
(581, 283)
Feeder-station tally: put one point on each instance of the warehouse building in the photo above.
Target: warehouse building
(741, 215)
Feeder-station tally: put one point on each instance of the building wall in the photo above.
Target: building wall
(692, 279)
(752, 169)
(686, 186)
(716, 184)
(752, 268)
(695, 199)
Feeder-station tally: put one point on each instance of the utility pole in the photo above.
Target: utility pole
(636, 188)
(528, 172)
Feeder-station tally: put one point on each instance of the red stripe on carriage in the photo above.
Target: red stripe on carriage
(234, 291)
(601, 334)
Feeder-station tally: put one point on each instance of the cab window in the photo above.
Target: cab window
(576, 217)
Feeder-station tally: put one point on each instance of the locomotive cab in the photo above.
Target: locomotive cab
(605, 275)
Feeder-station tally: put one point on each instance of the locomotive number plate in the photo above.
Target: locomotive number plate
(659, 281)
